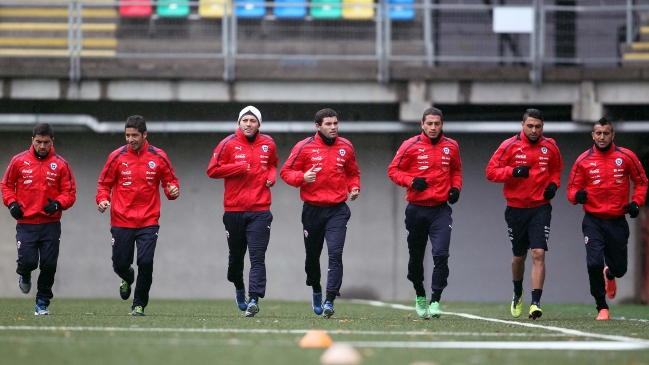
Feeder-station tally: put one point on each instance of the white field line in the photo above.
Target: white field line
(545, 345)
(272, 331)
(630, 319)
(522, 324)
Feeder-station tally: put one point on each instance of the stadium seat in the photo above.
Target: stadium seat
(360, 9)
(326, 11)
(173, 9)
(250, 9)
(214, 8)
(289, 12)
(402, 9)
(135, 11)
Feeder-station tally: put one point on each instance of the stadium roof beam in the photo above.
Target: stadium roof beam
(80, 123)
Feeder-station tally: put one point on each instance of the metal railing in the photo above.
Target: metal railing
(440, 33)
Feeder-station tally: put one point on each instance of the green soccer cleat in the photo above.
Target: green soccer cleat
(535, 311)
(434, 310)
(138, 311)
(421, 307)
(124, 290)
(517, 305)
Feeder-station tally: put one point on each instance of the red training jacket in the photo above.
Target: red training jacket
(605, 177)
(30, 180)
(335, 167)
(133, 178)
(439, 163)
(546, 165)
(245, 190)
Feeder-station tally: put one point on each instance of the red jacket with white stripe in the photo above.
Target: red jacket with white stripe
(245, 190)
(30, 180)
(606, 178)
(335, 167)
(132, 180)
(546, 165)
(439, 163)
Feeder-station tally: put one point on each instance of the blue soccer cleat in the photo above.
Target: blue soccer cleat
(316, 303)
(41, 309)
(240, 298)
(328, 309)
(253, 308)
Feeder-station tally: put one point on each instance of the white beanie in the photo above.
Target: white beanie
(250, 110)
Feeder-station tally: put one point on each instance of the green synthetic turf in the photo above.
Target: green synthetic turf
(73, 346)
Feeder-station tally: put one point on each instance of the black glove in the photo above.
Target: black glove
(633, 209)
(453, 195)
(550, 190)
(581, 197)
(521, 171)
(16, 212)
(52, 207)
(419, 183)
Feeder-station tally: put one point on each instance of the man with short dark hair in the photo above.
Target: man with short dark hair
(37, 186)
(247, 161)
(529, 165)
(129, 183)
(324, 168)
(599, 180)
(429, 167)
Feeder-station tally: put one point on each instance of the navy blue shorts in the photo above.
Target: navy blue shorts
(528, 228)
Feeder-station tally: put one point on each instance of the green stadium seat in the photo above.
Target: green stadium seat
(326, 11)
(173, 8)
(360, 9)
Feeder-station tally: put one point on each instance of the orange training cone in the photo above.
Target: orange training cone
(316, 338)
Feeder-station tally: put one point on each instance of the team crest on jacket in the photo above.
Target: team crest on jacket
(54, 166)
(446, 150)
(151, 165)
(342, 152)
(264, 148)
(544, 150)
(618, 161)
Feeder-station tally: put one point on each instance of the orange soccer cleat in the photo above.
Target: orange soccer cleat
(603, 315)
(610, 285)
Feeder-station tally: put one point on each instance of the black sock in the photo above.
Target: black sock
(419, 289)
(239, 285)
(331, 296)
(435, 295)
(254, 296)
(317, 288)
(518, 287)
(601, 302)
(536, 295)
(609, 276)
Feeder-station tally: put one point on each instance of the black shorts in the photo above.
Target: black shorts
(528, 228)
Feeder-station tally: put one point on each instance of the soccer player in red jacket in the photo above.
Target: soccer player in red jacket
(247, 161)
(600, 180)
(530, 166)
(37, 186)
(130, 185)
(429, 167)
(324, 168)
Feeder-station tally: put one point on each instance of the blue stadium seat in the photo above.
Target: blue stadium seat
(250, 9)
(402, 9)
(290, 12)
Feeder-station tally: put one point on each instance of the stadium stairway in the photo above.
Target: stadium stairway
(34, 29)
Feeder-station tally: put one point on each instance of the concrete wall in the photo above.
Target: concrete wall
(191, 256)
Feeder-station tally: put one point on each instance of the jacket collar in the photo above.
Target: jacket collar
(243, 137)
(319, 139)
(49, 155)
(527, 141)
(144, 148)
(607, 152)
(427, 140)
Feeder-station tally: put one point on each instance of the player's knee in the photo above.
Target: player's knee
(618, 272)
(49, 268)
(145, 266)
(28, 265)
